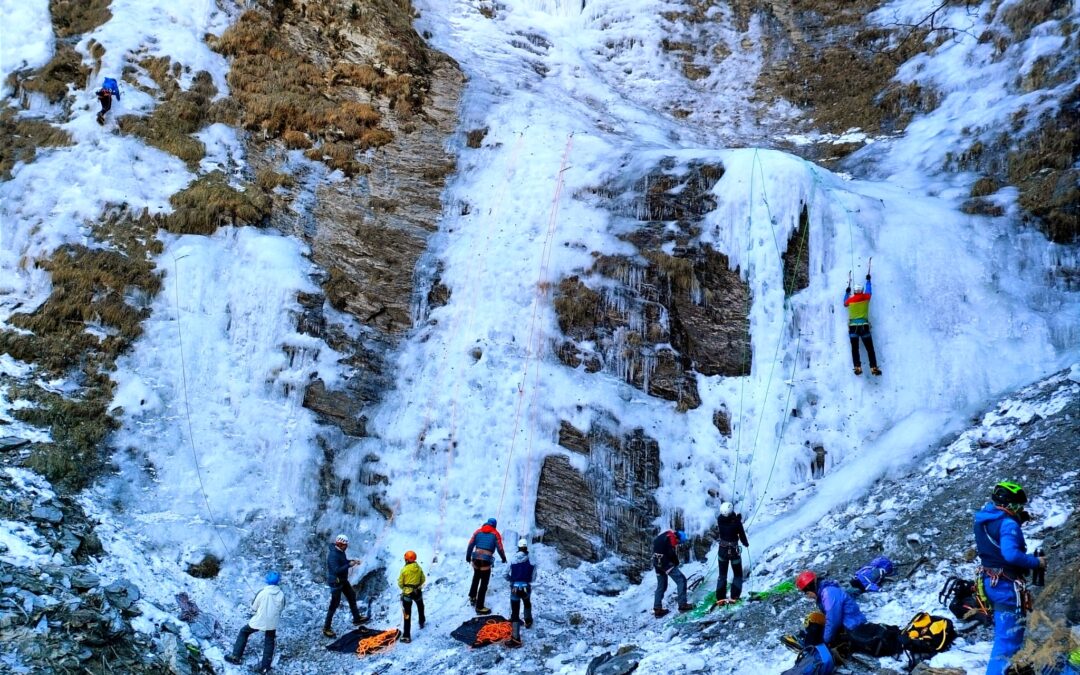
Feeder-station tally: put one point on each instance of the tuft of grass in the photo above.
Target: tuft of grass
(22, 136)
(78, 427)
(75, 17)
(210, 202)
(475, 138)
(679, 271)
(180, 114)
(55, 77)
(577, 307)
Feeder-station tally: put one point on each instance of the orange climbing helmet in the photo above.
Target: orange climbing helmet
(806, 581)
(410, 556)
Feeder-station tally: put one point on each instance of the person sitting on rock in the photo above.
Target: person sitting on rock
(483, 546)
(666, 564)
(520, 575)
(267, 605)
(730, 534)
(411, 582)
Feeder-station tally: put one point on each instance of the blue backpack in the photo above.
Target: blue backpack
(870, 577)
(816, 660)
(112, 86)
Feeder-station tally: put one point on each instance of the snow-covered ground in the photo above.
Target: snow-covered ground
(224, 456)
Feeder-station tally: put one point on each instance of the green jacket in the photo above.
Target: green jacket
(411, 578)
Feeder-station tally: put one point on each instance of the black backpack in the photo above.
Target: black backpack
(960, 597)
(927, 634)
(875, 639)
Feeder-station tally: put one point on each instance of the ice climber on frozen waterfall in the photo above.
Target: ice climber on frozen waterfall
(1005, 563)
(858, 307)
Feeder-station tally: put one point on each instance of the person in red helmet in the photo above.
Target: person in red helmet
(841, 611)
(411, 582)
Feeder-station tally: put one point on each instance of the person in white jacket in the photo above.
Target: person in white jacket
(267, 605)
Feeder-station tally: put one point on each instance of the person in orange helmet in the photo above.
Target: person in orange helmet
(411, 582)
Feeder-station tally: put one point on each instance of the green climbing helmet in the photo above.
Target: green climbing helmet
(1008, 493)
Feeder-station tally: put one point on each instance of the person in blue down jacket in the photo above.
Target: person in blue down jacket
(483, 546)
(520, 575)
(1005, 562)
(841, 611)
(337, 578)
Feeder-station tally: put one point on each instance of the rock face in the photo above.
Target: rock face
(608, 507)
(669, 315)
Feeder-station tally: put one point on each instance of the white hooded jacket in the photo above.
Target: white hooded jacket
(267, 606)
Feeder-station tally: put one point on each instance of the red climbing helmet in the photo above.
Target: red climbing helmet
(805, 580)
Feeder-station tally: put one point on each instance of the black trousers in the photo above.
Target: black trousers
(736, 580)
(862, 331)
(269, 640)
(346, 589)
(478, 587)
(519, 597)
(406, 611)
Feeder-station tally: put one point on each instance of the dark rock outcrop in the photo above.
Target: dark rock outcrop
(607, 509)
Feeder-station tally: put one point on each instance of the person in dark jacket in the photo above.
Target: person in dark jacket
(483, 546)
(337, 578)
(841, 612)
(666, 564)
(729, 535)
(520, 575)
(858, 307)
(1005, 563)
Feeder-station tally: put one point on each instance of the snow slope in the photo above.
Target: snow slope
(223, 453)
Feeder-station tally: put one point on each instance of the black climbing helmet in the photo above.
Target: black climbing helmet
(1008, 493)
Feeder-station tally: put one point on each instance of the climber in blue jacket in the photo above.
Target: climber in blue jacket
(1005, 562)
(840, 609)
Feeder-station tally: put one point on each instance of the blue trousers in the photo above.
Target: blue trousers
(661, 586)
(1008, 624)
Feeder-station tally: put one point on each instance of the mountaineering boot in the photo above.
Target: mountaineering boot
(405, 639)
(483, 610)
(422, 622)
(472, 601)
(858, 370)
(329, 633)
(232, 659)
(876, 371)
(685, 608)
(359, 620)
(659, 613)
(528, 622)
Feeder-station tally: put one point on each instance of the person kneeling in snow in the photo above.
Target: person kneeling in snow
(665, 564)
(841, 612)
(267, 605)
(520, 575)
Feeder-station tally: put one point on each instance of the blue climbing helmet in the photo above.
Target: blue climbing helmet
(492, 522)
(681, 535)
(273, 578)
(111, 85)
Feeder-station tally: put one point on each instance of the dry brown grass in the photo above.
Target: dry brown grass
(21, 137)
(577, 307)
(211, 202)
(64, 70)
(678, 271)
(75, 17)
(283, 94)
(475, 138)
(267, 179)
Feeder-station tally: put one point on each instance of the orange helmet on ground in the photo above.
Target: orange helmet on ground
(410, 556)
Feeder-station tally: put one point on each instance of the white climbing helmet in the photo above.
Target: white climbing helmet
(523, 543)
(341, 539)
(726, 508)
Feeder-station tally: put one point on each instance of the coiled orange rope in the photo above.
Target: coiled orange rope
(377, 642)
(494, 631)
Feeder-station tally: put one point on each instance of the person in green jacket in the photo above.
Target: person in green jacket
(411, 582)
(858, 307)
